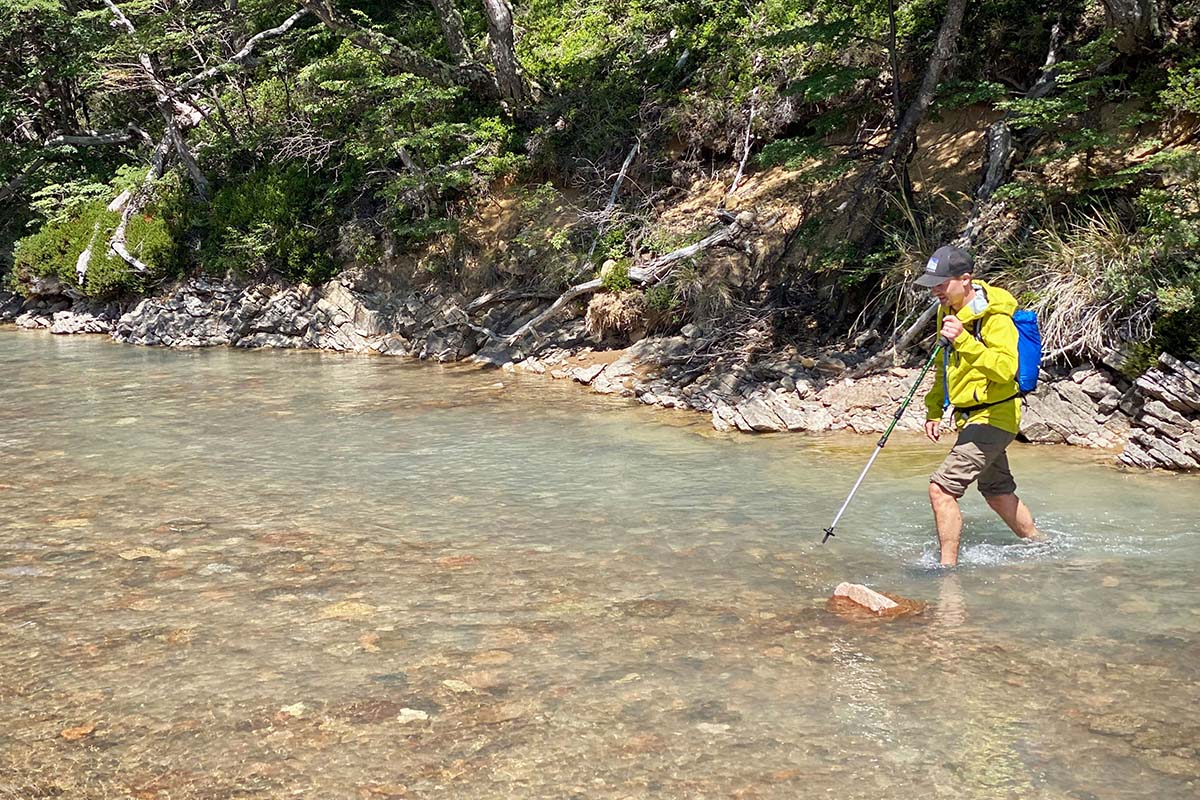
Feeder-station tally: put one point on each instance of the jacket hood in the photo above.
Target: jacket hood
(999, 301)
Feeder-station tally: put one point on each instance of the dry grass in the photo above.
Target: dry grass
(1072, 277)
(615, 314)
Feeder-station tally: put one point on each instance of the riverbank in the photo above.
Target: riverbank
(1151, 423)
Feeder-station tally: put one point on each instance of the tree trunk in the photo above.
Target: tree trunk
(899, 150)
(452, 29)
(906, 132)
(1136, 22)
(509, 79)
(166, 108)
(894, 59)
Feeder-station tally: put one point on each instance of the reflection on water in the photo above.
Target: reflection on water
(229, 574)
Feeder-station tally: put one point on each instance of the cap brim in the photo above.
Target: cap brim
(929, 281)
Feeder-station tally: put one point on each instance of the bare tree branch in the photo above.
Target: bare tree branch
(136, 202)
(602, 223)
(733, 187)
(239, 58)
(649, 274)
(166, 107)
(887, 357)
(96, 139)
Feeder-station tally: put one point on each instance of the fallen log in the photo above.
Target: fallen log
(649, 274)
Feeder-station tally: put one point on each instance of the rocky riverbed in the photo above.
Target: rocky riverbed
(1153, 423)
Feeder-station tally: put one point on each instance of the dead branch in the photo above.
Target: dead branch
(649, 274)
(491, 298)
(602, 221)
(733, 187)
(136, 202)
(402, 57)
(85, 258)
(888, 356)
(97, 139)
(239, 58)
(166, 107)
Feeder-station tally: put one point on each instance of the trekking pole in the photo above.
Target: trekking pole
(942, 343)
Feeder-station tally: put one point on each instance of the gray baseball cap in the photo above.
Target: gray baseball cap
(946, 262)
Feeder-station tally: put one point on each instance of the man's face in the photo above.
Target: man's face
(953, 291)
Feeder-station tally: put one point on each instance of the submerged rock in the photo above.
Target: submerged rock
(74, 734)
(855, 601)
(1116, 724)
(865, 597)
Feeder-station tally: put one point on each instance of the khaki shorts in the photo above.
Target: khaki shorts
(978, 455)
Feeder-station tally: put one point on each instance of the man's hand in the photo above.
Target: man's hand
(933, 427)
(951, 327)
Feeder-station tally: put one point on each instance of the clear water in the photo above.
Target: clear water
(277, 574)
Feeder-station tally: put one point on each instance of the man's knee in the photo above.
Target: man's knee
(939, 495)
(1001, 501)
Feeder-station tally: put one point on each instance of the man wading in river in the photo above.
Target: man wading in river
(980, 370)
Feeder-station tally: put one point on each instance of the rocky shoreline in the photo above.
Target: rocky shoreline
(1153, 422)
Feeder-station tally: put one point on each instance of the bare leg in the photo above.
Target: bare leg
(948, 518)
(1016, 515)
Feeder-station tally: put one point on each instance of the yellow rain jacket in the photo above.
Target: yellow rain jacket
(982, 366)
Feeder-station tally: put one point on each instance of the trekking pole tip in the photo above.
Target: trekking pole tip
(828, 533)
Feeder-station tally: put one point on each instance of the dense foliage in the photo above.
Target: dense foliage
(361, 129)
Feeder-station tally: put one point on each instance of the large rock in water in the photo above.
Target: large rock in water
(853, 601)
(866, 597)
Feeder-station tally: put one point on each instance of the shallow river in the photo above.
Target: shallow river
(276, 574)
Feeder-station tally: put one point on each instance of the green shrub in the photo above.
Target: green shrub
(1104, 279)
(54, 248)
(616, 280)
(1183, 88)
(661, 297)
(270, 222)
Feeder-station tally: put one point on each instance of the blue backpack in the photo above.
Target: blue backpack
(1029, 358)
(1029, 350)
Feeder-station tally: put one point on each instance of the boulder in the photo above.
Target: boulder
(1063, 413)
(865, 597)
(10, 305)
(586, 375)
(1166, 431)
(757, 415)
